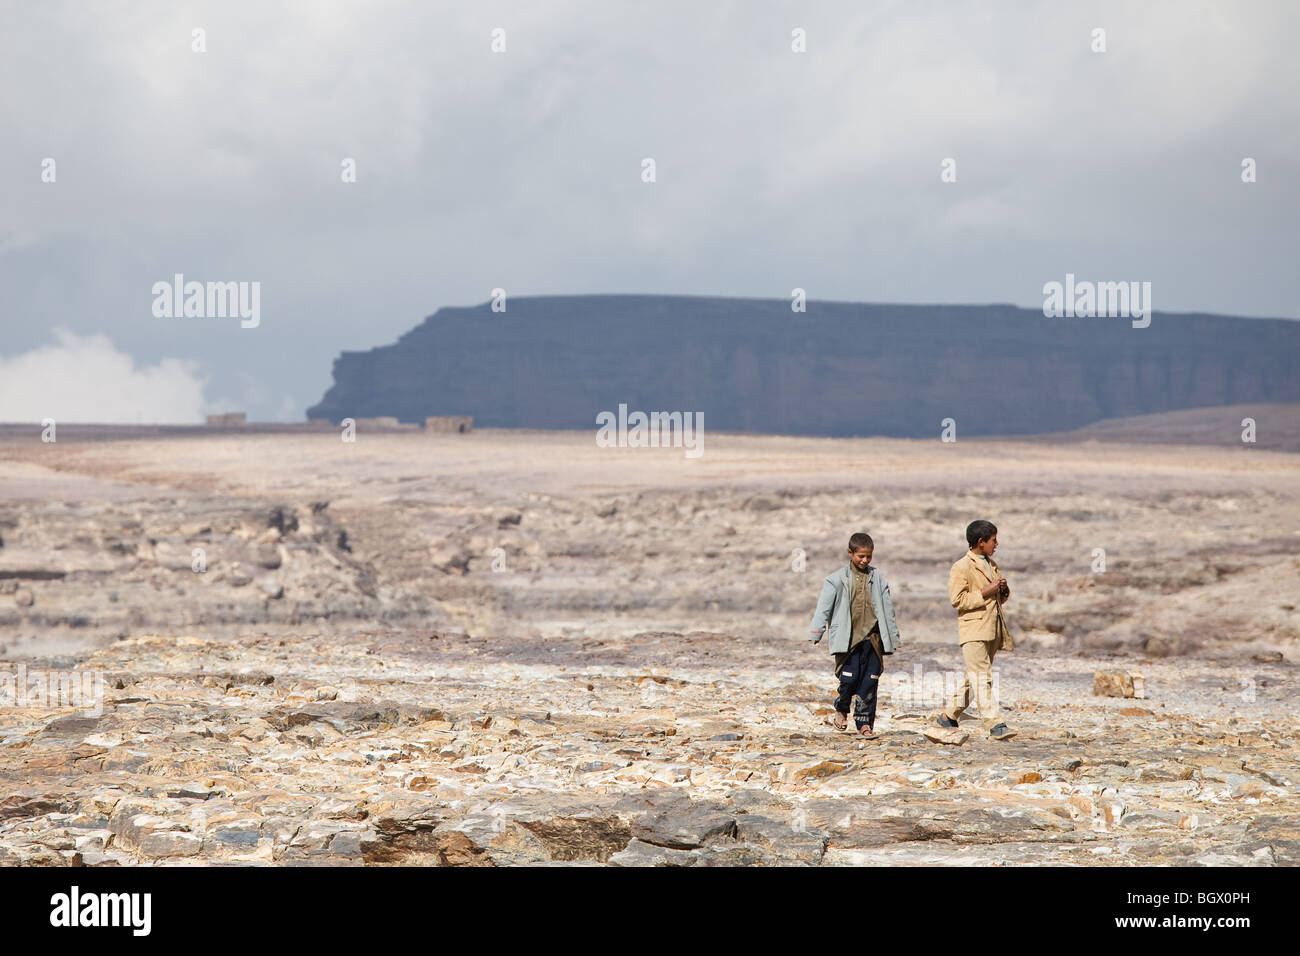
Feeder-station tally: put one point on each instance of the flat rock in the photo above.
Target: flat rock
(952, 736)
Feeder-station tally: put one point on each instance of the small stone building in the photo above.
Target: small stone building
(454, 424)
(226, 419)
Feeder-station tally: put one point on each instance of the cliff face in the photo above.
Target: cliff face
(839, 369)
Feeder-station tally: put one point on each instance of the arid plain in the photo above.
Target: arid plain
(518, 647)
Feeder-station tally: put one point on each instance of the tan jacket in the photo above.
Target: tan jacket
(977, 619)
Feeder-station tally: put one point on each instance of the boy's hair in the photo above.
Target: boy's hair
(978, 531)
(861, 540)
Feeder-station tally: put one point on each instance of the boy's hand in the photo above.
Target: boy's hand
(998, 589)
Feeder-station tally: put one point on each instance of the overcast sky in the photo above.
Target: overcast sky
(522, 169)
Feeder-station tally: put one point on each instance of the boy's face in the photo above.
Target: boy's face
(987, 546)
(860, 558)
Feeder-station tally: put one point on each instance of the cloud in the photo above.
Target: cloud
(87, 379)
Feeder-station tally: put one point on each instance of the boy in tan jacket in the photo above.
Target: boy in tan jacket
(977, 590)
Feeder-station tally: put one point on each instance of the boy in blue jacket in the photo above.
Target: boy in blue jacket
(856, 609)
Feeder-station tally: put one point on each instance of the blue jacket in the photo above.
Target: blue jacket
(833, 612)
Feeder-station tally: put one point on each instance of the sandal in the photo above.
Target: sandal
(837, 720)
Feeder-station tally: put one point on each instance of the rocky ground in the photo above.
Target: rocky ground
(513, 647)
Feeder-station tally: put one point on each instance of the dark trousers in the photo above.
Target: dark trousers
(859, 677)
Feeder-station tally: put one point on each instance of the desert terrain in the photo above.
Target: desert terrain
(516, 647)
